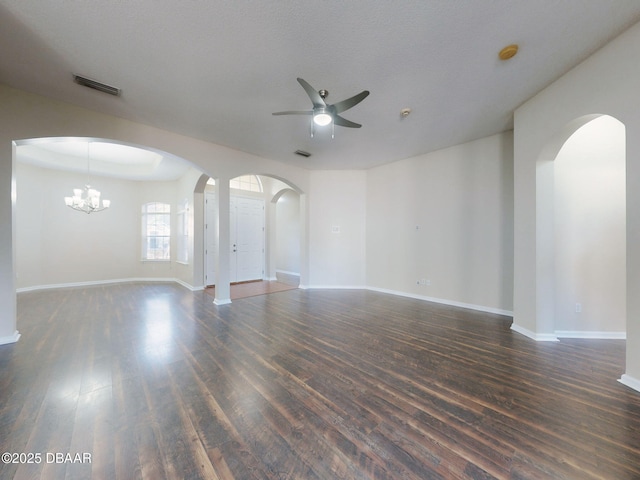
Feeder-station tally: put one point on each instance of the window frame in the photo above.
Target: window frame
(182, 233)
(244, 181)
(158, 210)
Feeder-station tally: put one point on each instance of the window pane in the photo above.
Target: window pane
(156, 231)
(162, 225)
(246, 182)
(158, 248)
(156, 207)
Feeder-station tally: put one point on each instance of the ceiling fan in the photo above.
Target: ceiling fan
(324, 113)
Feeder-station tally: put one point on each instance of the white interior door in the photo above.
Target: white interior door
(247, 239)
(211, 237)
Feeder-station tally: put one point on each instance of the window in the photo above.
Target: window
(156, 231)
(182, 255)
(246, 182)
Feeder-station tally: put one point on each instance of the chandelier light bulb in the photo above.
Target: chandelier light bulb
(86, 200)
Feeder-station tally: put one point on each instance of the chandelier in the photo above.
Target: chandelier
(87, 199)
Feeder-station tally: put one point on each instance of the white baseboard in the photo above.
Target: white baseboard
(189, 286)
(108, 282)
(630, 382)
(555, 336)
(336, 287)
(285, 272)
(226, 301)
(303, 287)
(10, 338)
(592, 335)
(480, 308)
(538, 337)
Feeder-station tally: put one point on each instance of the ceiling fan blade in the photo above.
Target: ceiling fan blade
(343, 122)
(350, 102)
(294, 112)
(315, 97)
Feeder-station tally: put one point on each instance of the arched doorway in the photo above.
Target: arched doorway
(288, 231)
(590, 232)
(245, 191)
(57, 246)
(543, 275)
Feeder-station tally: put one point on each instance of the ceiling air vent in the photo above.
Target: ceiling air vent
(102, 87)
(302, 153)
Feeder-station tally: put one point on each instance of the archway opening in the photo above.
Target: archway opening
(255, 213)
(59, 247)
(543, 275)
(590, 232)
(288, 235)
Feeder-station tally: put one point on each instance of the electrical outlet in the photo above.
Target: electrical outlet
(578, 308)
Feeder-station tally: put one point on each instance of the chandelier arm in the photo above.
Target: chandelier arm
(88, 199)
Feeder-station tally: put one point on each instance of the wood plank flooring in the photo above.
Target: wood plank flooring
(154, 381)
(259, 287)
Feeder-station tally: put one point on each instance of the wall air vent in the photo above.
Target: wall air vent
(87, 82)
(302, 153)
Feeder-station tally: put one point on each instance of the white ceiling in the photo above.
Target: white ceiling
(99, 158)
(217, 70)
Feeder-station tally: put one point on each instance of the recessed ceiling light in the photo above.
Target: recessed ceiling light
(508, 52)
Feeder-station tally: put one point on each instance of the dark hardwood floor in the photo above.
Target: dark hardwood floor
(154, 381)
(260, 287)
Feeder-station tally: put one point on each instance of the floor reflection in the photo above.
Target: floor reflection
(158, 329)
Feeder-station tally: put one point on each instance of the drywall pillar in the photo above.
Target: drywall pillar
(223, 276)
(8, 309)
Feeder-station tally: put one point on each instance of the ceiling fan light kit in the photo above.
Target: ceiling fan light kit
(321, 117)
(324, 113)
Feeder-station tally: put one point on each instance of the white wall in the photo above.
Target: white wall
(590, 243)
(25, 116)
(56, 245)
(605, 83)
(288, 233)
(337, 212)
(445, 217)
(184, 190)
